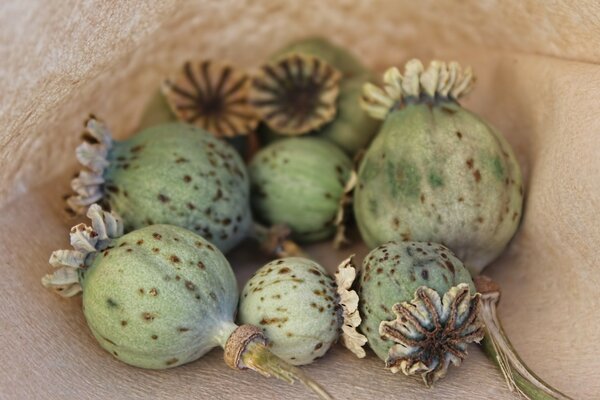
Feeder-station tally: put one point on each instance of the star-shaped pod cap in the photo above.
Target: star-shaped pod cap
(213, 96)
(295, 94)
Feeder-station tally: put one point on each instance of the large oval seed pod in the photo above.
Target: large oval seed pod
(351, 128)
(159, 297)
(300, 182)
(417, 309)
(173, 174)
(295, 302)
(436, 171)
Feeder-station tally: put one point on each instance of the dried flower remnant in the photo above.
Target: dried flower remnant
(158, 310)
(350, 337)
(212, 96)
(295, 94)
(431, 332)
(519, 377)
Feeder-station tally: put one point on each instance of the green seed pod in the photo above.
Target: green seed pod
(436, 172)
(351, 129)
(300, 182)
(294, 301)
(418, 306)
(159, 297)
(173, 174)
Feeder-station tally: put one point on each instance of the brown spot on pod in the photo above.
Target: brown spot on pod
(154, 337)
(157, 236)
(137, 149)
(163, 198)
(174, 259)
(477, 175)
(459, 135)
(271, 321)
(171, 361)
(140, 242)
(148, 316)
(123, 323)
(153, 292)
(190, 285)
(284, 270)
(201, 265)
(425, 274)
(187, 178)
(470, 163)
(182, 329)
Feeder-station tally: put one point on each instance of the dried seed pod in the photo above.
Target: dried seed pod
(436, 171)
(172, 173)
(160, 297)
(212, 96)
(299, 182)
(295, 94)
(351, 129)
(418, 307)
(294, 301)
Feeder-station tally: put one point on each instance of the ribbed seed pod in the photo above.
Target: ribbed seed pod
(435, 171)
(159, 297)
(299, 182)
(173, 174)
(294, 301)
(419, 308)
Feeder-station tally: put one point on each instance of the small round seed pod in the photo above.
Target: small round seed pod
(212, 96)
(294, 301)
(436, 171)
(172, 173)
(159, 297)
(352, 128)
(295, 94)
(418, 307)
(299, 182)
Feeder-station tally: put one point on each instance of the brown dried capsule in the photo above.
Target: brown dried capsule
(295, 94)
(212, 96)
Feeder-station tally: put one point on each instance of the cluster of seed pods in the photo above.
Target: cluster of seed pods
(163, 293)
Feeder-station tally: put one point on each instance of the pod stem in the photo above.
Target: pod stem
(274, 240)
(246, 348)
(498, 347)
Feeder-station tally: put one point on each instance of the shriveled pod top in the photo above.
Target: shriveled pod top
(212, 96)
(295, 94)
(436, 171)
(418, 308)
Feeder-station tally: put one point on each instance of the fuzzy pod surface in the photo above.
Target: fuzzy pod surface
(299, 182)
(174, 174)
(294, 301)
(352, 129)
(392, 272)
(436, 171)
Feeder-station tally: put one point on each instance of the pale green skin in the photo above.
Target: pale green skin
(392, 273)
(299, 182)
(294, 301)
(352, 129)
(159, 308)
(180, 175)
(440, 173)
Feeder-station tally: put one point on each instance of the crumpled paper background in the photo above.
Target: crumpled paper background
(538, 69)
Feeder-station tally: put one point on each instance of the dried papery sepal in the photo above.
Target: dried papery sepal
(275, 240)
(213, 96)
(295, 94)
(518, 376)
(85, 240)
(440, 80)
(350, 337)
(340, 219)
(92, 155)
(431, 332)
(246, 348)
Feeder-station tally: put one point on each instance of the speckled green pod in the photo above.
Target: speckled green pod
(437, 172)
(352, 129)
(294, 301)
(299, 182)
(391, 273)
(173, 174)
(159, 296)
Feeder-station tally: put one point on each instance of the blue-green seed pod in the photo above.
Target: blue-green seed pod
(418, 308)
(159, 297)
(436, 172)
(294, 301)
(173, 174)
(299, 182)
